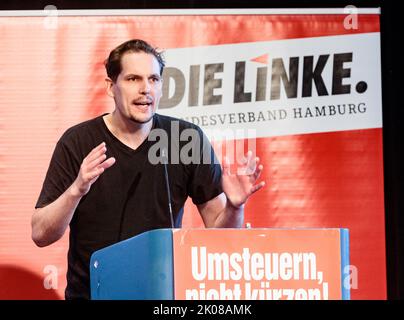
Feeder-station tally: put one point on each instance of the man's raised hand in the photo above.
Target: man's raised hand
(239, 187)
(91, 168)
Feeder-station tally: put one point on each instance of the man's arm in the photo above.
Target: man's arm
(219, 213)
(50, 223)
(227, 209)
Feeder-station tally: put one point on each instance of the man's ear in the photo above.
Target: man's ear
(109, 83)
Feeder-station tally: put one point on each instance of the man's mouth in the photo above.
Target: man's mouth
(143, 104)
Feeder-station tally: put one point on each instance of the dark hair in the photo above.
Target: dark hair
(113, 63)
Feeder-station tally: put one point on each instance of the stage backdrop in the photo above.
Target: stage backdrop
(308, 86)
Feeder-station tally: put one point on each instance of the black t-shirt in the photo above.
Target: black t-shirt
(128, 198)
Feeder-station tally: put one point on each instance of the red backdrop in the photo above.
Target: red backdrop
(53, 78)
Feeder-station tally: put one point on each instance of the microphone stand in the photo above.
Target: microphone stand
(165, 162)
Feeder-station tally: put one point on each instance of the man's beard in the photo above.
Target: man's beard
(137, 121)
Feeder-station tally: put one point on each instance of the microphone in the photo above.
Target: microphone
(165, 162)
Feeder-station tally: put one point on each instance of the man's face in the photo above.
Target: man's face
(137, 90)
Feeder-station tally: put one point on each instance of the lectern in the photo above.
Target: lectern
(225, 264)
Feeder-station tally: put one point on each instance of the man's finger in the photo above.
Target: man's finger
(96, 172)
(97, 151)
(226, 166)
(257, 187)
(257, 172)
(97, 161)
(107, 163)
(251, 164)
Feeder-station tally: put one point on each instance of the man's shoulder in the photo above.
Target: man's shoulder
(81, 129)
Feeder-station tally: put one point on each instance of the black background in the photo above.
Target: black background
(391, 38)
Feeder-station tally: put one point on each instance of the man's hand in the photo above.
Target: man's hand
(239, 187)
(91, 168)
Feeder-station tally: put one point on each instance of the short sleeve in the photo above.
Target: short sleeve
(206, 181)
(63, 169)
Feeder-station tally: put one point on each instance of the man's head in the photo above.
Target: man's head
(113, 63)
(134, 71)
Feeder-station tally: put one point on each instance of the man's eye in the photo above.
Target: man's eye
(155, 79)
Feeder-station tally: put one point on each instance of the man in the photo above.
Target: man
(102, 183)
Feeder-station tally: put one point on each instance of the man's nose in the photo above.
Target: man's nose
(145, 87)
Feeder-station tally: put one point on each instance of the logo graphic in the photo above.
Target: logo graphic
(280, 87)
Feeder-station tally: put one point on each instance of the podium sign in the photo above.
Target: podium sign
(260, 264)
(225, 264)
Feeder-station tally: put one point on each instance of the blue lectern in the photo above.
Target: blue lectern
(140, 268)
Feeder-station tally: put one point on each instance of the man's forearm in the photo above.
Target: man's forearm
(50, 223)
(230, 217)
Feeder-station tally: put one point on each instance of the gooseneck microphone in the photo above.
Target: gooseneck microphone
(164, 157)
